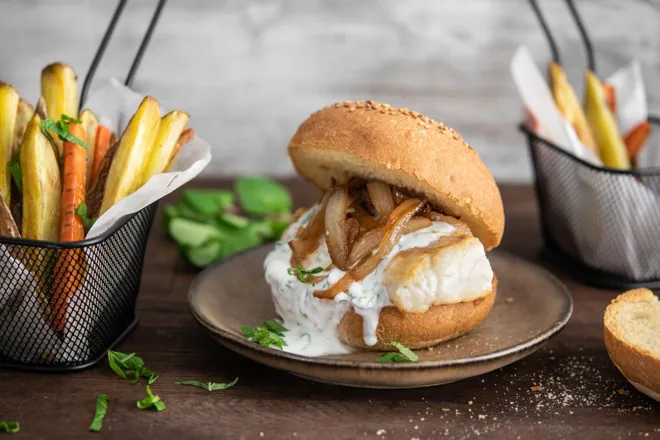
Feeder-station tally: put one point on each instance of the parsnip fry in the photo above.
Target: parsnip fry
(8, 226)
(608, 138)
(185, 137)
(40, 177)
(171, 127)
(134, 147)
(41, 108)
(90, 123)
(59, 86)
(8, 110)
(23, 116)
(569, 106)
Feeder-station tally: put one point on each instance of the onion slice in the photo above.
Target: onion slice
(335, 226)
(367, 222)
(352, 230)
(308, 238)
(460, 227)
(380, 195)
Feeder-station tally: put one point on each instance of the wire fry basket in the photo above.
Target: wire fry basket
(600, 225)
(63, 305)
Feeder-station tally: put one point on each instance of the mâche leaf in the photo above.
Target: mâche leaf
(304, 276)
(261, 196)
(151, 401)
(208, 386)
(101, 409)
(405, 354)
(81, 211)
(271, 334)
(14, 166)
(10, 427)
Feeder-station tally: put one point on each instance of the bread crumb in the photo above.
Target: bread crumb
(380, 432)
(445, 409)
(621, 391)
(470, 402)
(509, 299)
(536, 388)
(261, 434)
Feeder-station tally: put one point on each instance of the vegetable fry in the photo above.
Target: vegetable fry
(169, 132)
(8, 111)
(134, 146)
(103, 141)
(40, 108)
(23, 115)
(90, 124)
(608, 138)
(96, 188)
(70, 265)
(8, 227)
(185, 137)
(636, 138)
(59, 87)
(569, 106)
(40, 177)
(610, 97)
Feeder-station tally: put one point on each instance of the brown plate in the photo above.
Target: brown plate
(531, 306)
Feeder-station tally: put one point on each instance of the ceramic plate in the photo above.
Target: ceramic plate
(531, 306)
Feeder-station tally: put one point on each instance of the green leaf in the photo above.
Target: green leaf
(405, 354)
(113, 357)
(101, 409)
(10, 427)
(204, 255)
(81, 211)
(260, 196)
(208, 386)
(234, 220)
(125, 365)
(192, 234)
(151, 401)
(208, 202)
(66, 118)
(271, 334)
(247, 331)
(275, 327)
(14, 166)
(304, 276)
(62, 129)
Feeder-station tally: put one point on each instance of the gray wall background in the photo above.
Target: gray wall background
(249, 71)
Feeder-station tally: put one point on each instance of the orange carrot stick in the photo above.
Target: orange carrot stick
(636, 138)
(103, 140)
(69, 267)
(610, 97)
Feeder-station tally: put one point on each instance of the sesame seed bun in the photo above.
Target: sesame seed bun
(632, 339)
(438, 324)
(405, 149)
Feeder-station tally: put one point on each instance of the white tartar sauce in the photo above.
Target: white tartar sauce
(312, 323)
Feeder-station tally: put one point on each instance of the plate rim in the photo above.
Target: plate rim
(527, 344)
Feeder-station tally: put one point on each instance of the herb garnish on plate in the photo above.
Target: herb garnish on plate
(404, 355)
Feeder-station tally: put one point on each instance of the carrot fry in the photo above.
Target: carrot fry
(636, 138)
(70, 266)
(610, 97)
(103, 135)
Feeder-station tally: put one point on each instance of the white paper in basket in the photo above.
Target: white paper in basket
(637, 205)
(114, 104)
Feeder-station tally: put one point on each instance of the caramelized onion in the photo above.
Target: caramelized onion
(367, 222)
(380, 195)
(399, 197)
(340, 286)
(308, 238)
(352, 230)
(335, 226)
(460, 227)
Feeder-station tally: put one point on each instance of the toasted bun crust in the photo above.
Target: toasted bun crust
(418, 330)
(406, 149)
(637, 363)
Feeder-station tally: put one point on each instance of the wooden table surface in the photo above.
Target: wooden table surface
(582, 396)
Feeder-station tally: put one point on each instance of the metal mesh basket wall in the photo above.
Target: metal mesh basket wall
(601, 225)
(63, 305)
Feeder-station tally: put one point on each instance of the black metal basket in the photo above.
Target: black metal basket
(63, 305)
(600, 225)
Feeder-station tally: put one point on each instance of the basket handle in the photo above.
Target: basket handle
(106, 39)
(586, 41)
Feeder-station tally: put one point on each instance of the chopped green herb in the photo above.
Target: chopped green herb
(271, 334)
(62, 129)
(209, 386)
(234, 220)
(151, 401)
(10, 427)
(304, 276)
(81, 211)
(261, 196)
(405, 354)
(15, 170)
(125, 365)
(101, 409)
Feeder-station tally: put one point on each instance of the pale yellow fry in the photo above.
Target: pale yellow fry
(59, 87)
(569, 105)
(90, 123)
(171, 127)
(8, 110)
(41, 185)
(23, 116)
(603, 125)
(130, 159)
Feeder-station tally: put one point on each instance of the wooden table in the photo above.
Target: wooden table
(582, 396)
